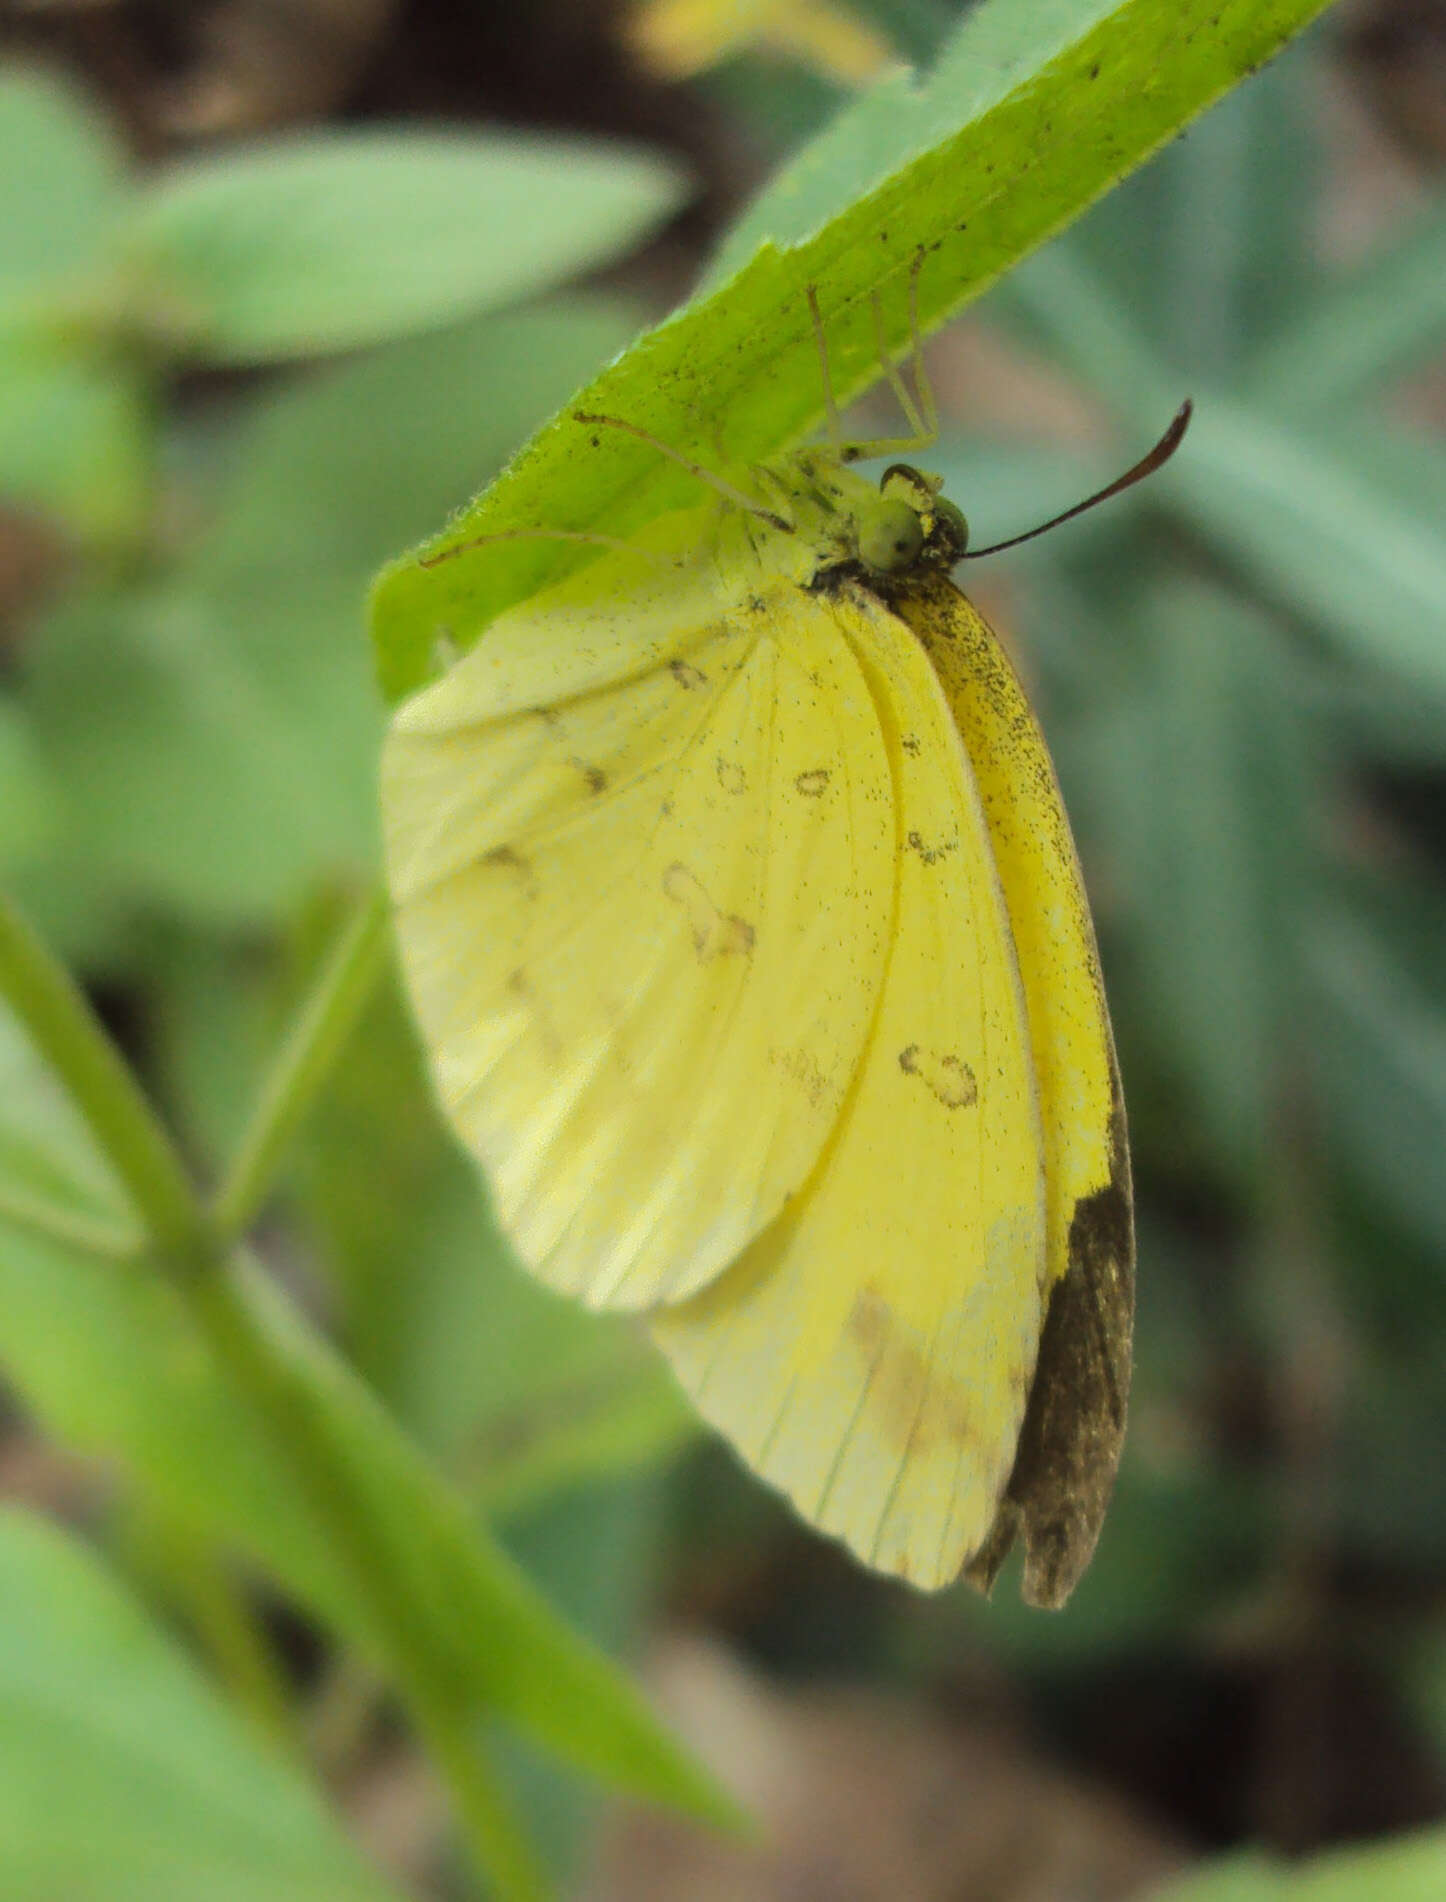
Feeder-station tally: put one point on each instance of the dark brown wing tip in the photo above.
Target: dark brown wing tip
(1074, 1422)
(983, 1568)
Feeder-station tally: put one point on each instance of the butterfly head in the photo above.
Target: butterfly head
(911, 525)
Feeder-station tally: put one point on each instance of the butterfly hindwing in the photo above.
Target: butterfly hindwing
(872, 1352)
(1071, 1439)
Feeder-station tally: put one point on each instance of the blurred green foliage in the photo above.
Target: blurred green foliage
(1243, 673)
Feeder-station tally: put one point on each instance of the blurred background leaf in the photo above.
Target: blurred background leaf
(121, 1772)
(348, 239)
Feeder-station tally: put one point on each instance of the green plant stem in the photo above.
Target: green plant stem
(259, 1360)
(265, 1372)
(65, 1031)
(72, 1228)
(208, 1594)
(498, 1844)
(303, 1065)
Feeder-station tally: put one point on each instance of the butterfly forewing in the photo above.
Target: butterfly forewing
(643, 911)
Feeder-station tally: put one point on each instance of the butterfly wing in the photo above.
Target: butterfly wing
(640, 845)
(871, 1353)
(1071, 1439)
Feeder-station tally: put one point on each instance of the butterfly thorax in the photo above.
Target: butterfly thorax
(826, 525)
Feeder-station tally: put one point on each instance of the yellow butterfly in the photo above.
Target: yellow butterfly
(741, 917)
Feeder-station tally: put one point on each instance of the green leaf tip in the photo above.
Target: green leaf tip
(1031, 113)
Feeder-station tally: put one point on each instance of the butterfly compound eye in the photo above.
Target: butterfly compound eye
(949, 535)
(890, 536)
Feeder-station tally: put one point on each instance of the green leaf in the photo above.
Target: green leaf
(111, 1363)
(1207, 246)
(75, 432)
(64, 183)
(516, 1391)
(1315, 524)
(1387, 313)
(1380, 1054)
(339, 465)
(215, 735)
(1031, 113)
(194, 768)
(121, 1773)
(27, 796)
(47, 1157)
(333, 240)
(1408, 1869)
(1315, 533)
(1207, 773)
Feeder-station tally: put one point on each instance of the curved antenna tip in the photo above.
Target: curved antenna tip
(1146, 466)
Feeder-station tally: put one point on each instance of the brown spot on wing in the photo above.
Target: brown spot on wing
(731, 776)
(813, 784)
(947, 1076)
(931, 854)
(533, 1009)
(912, 1402)
(506, 858)
(716, 934)
(804, 1070)
(593, 777)
(687, 675)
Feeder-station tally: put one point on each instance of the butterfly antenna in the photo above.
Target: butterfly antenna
(1147, 465)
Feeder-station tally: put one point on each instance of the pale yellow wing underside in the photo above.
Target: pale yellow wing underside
(641, 846)
(871, 1354)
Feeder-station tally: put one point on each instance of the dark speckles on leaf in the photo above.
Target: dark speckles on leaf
(716, 934)
(687, 675)
(593, 777)
(813, 784)
(948, 1077)
(912, 745)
